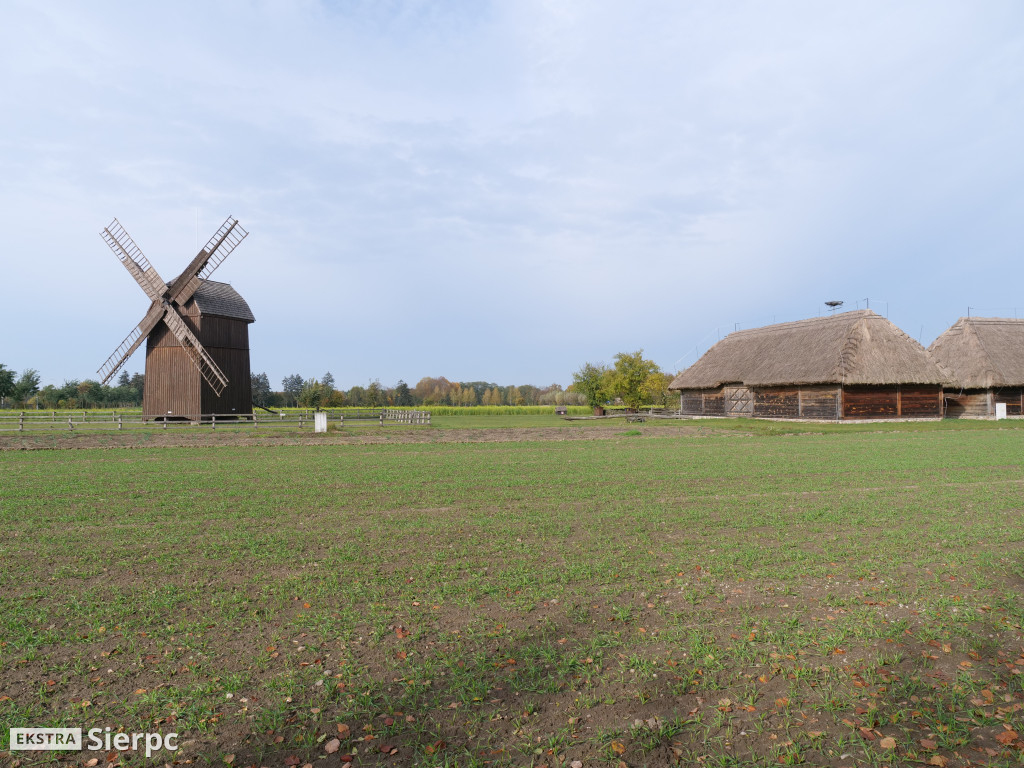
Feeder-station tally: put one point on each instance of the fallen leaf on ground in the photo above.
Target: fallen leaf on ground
(887, 743)
(1007, 737)
(332, 746)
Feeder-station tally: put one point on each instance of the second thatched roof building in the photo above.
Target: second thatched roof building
(985, 356)
(853, 365)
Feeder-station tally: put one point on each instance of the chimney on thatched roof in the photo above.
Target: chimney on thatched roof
(982, 352)
(858, 347)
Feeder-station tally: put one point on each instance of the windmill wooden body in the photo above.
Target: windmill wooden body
(196, 332)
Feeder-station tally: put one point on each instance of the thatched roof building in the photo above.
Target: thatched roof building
(982, 352)
(847, 365)
(985, 358)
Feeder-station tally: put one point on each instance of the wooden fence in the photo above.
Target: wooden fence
(404, 417)
(28, 421)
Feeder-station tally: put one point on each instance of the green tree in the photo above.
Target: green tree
(529, 393)
(260, 389)
(591, 381)
(631, 378)
(356, 396)
(657, 388)
(513, 397)
(291, 386)
(26, 385)
(403, 396)
(375, 395)
(6, 382)
(313, 394)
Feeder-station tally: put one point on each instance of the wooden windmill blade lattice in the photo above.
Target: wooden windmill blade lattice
(167, 301)
(212, 255)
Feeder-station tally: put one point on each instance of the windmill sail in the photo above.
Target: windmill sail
(223, 242)
(132, 341)
(209, 370)
(131, 256)
(213, 254)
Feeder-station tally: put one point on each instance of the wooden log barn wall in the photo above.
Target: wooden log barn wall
(821, 402)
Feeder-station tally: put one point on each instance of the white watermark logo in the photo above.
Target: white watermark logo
(106, 739)
(46, 738)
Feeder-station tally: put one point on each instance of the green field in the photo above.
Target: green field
(719, 594)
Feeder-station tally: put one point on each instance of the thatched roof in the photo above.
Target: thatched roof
(982, 352)
(848, 348)
(215, 298)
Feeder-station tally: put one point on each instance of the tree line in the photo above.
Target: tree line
(25, 391)
(632, 380)
(322, 393)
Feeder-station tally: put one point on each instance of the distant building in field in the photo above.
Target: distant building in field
(985, 357)
(852, 365)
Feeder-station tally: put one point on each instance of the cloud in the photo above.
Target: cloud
(510, 189)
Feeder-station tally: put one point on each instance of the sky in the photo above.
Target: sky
(504, 191)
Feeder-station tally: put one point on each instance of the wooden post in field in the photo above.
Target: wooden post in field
(71, 424)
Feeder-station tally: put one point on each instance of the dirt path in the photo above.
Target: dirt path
(206, 438)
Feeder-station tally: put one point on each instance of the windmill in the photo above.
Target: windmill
(194, 329)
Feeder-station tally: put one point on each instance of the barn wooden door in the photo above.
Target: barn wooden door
(739, 401)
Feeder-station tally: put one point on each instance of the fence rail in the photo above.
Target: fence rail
(70, 421)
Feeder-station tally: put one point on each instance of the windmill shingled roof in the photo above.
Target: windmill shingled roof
(857, 347)
(215, 298)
